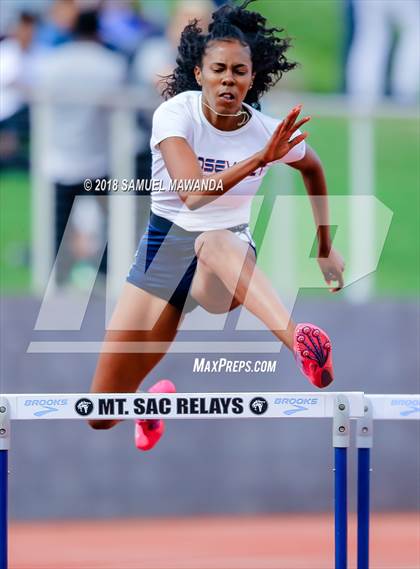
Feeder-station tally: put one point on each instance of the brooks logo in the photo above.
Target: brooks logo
(412, 406)
(46, 405)
(298, 405)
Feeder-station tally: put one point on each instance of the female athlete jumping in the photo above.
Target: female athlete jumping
(198, 249)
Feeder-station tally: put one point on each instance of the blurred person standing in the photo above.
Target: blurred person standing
(375, 25)
(156, 58)
(122, 27)
(59, 23)
(18, 63)
(79, 141)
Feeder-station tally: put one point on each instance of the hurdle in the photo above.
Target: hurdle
(340, 407)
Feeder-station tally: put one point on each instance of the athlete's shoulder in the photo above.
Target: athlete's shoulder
(174, 117)
(184, 100)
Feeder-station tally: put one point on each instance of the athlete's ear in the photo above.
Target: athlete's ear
(197, 73)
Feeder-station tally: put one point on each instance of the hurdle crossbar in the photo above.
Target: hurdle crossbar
(178, 405)
(341, 407)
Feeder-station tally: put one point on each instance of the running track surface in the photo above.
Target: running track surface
(275, 542)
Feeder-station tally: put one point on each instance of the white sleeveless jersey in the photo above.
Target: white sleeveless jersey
(216, 150)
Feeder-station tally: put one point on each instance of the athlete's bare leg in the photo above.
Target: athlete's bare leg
(223, 255)
(139, 317)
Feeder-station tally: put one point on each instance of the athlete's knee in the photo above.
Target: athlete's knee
(222, 308)
(101, 424)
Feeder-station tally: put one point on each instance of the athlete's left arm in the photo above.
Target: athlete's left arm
(330, 260)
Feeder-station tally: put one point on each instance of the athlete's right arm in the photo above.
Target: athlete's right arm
(182, 163)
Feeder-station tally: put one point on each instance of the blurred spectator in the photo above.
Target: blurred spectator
(347, 40)
(18, 58)
(79, 142)
(11, 9)
(376, 24)
(154, 59)
(58, 25)
(156, 56)
(122, 27)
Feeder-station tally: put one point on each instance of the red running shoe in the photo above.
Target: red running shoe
(312, 349)
(147, 432)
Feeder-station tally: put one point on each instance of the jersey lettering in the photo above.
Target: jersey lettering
(212, 165)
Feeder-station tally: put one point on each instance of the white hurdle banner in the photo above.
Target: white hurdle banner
(178, 405)
(340, 407)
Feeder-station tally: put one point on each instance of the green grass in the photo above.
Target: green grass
(14, 232)
(397, 175)
(316, 29)
(397, 182)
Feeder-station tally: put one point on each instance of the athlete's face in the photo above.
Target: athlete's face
(225, 75)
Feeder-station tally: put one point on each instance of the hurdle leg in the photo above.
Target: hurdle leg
(4, 449)
(364, 444)
(341, 442)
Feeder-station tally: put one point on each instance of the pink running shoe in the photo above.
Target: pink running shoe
(312, 349)
(149, 431)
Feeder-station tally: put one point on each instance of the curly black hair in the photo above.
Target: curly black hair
(231, 22)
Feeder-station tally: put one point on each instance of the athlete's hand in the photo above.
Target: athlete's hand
(332, 268)
(280, 144)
